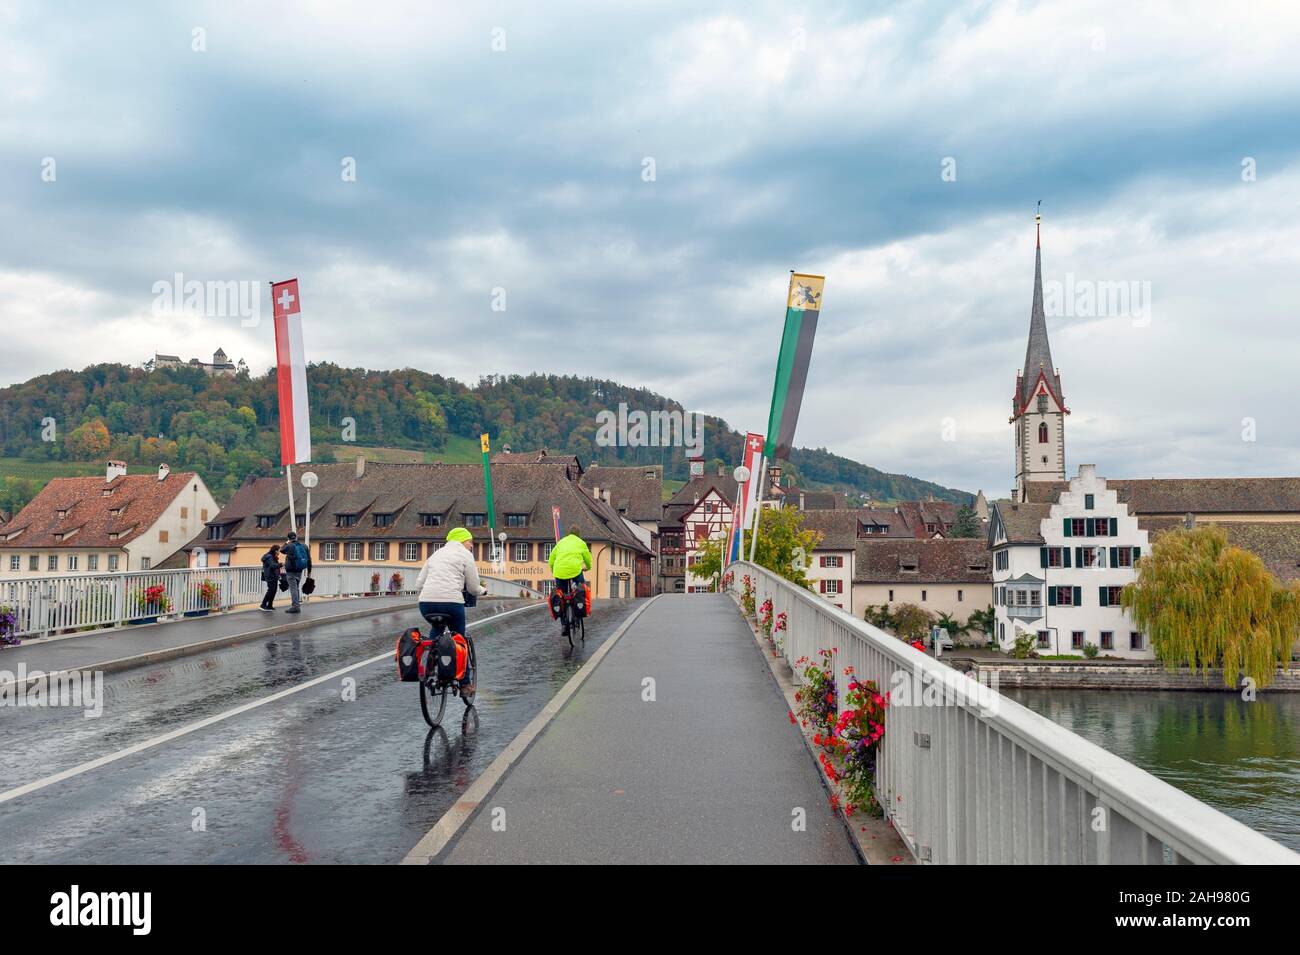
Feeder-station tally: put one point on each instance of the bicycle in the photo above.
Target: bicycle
(568, 619)
(433, 691)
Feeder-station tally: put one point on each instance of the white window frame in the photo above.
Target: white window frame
(410, 550)
(353, 547)
(522, 553)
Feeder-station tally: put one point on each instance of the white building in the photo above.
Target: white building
(113, 524)
(1058, 570)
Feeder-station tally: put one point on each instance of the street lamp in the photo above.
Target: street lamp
(501, 553)
(309, 481)
(741, 474)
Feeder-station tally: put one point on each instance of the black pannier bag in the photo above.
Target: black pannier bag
(581, 596)
(554, 602)
(411, 645)
(448, 659)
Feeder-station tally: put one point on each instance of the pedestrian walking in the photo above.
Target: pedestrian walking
(271, 576)
(297, 561)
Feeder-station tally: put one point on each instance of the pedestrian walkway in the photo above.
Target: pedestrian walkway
(124, 647)
(710, 770)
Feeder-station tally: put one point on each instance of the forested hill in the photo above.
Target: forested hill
(226, 428)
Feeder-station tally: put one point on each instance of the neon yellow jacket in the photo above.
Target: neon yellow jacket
(569, 557)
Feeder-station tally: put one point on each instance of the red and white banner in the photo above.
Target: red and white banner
(747, 498)
(291, 374)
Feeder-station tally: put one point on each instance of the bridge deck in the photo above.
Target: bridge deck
(711, 771)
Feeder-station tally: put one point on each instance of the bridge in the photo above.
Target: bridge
(667, 737)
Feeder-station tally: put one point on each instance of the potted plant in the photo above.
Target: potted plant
(395, 583)
(206, 595)
(149, 602)
(8, 624)
(374, 585)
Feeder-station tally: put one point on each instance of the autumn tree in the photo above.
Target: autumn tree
(784, 547)
(1209, 605)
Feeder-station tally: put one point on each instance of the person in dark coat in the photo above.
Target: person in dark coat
(271, 575)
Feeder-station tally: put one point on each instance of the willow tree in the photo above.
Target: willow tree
(1209, 605)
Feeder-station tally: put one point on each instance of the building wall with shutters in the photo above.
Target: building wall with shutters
(1106, 528)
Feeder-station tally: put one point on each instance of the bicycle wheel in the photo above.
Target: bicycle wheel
(432, 709)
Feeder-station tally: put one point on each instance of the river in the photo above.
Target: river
(1242, 758)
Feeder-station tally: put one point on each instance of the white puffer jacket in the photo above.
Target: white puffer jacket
(448, 572)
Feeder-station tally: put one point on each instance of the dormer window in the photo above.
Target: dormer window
(383, 520)
(430, 520)
(909, 566)
(516, 520)
(345, 520)
(475, 520)
(264, 521)
(62, 513)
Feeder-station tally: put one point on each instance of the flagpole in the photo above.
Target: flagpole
(288, 482)
(758, 504)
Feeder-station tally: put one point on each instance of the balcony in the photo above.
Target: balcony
(1025, 613)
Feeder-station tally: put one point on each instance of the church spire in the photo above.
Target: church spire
(1038, 353)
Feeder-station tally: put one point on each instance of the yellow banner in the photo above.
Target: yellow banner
(805, 291)
(483, 440)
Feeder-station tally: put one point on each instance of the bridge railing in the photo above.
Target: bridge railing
(966, 775)
(44, 605)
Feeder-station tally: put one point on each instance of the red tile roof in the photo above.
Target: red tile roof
(76, 512)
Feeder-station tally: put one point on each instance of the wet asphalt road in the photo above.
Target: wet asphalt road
(309, 778)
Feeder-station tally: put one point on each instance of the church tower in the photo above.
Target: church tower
(1038, 408)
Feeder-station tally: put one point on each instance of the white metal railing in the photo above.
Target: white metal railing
(973, 777)
(44, 605)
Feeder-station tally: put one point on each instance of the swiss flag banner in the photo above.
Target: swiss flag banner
(291, 373)
(745, 510)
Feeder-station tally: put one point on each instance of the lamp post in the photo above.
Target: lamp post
(309, 480)
(741, 474)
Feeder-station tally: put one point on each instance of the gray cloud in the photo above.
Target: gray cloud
(779, 141)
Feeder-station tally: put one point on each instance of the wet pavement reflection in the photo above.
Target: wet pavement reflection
(345, 771)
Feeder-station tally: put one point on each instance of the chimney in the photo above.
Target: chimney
(595, 492)
(162, 472)
(801, 500)
(361, 465)
(116, 469)
(722, 470)
(604, 495)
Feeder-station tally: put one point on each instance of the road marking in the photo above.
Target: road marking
(455, 818)
(140, 747)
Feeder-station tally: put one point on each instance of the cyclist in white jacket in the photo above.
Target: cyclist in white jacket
(446, 575)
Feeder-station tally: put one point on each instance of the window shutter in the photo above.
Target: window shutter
(1103, 596)
(1114, 556)
(1078, 596)
(1089, 527)
(1065, 556)
(1078, 557)
(1042, 557)
(1069, 529)
(1114, 526)
(1137, 552)
(1051, 596)
(822, 585)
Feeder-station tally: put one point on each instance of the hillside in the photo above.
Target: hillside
(226, 428)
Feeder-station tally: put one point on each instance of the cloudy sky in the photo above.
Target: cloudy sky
(639, 179)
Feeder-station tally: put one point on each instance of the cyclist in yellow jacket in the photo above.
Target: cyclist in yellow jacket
(569, 558)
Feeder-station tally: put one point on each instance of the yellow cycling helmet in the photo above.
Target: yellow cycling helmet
(458, 534)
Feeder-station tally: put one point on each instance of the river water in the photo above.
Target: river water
(1242, 758)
